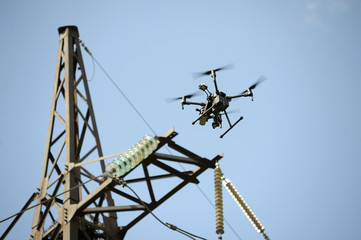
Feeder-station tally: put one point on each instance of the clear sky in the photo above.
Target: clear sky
(295, 157)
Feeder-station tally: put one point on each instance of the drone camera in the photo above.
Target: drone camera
(203, 87)
(203, 120)
(217, 103)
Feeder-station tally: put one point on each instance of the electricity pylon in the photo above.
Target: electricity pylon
(71, 121)
(80, 211)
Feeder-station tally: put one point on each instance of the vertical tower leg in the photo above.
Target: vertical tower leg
(72, 122)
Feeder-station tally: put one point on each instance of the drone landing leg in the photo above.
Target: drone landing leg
(229, 121)
(231, 127)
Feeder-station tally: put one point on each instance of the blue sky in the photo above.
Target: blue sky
(295, 157)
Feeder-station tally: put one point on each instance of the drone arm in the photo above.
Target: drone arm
(249, 93)
(191, 103)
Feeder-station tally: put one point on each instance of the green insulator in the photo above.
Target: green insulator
(140, 147)
(138, 154)
(146, 147)
(126, 162)
(132, 159)
(152, 141)
(121, 164)
(114, 169)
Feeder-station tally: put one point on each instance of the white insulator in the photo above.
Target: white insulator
(243, 205)
(219, 200)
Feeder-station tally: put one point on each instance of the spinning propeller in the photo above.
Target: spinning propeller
(201, 74)
(197, 93)
(216, 104)
(248, 92)
(261, 79)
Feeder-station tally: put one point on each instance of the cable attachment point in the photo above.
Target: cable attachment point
(171, 226)
(119, 181)
(85, 48)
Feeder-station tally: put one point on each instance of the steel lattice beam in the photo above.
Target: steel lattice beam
(83, 213)
(158, 160)
(66, 148)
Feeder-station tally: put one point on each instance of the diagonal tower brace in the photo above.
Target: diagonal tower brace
(72, 123)
(81, 212)
(158, 160)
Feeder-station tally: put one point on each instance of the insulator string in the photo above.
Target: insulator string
(244, 206)
(218, 201)
(148, 125)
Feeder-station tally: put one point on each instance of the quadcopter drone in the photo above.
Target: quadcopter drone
(217, 103)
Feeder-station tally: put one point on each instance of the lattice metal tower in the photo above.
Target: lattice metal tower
(83, 211)
(72, 108)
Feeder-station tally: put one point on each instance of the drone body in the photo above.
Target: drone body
(216, 104)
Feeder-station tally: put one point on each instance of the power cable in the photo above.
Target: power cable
(145, 121)
(125, 97)
(168, 225)
(47, 200)
(117, 87)
(210, 202)
(91, 79)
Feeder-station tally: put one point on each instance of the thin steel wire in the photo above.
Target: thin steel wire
(91, 79)
(47, 200)
(148, 125)
(168, 225)
(210, 202)
(125, 96)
